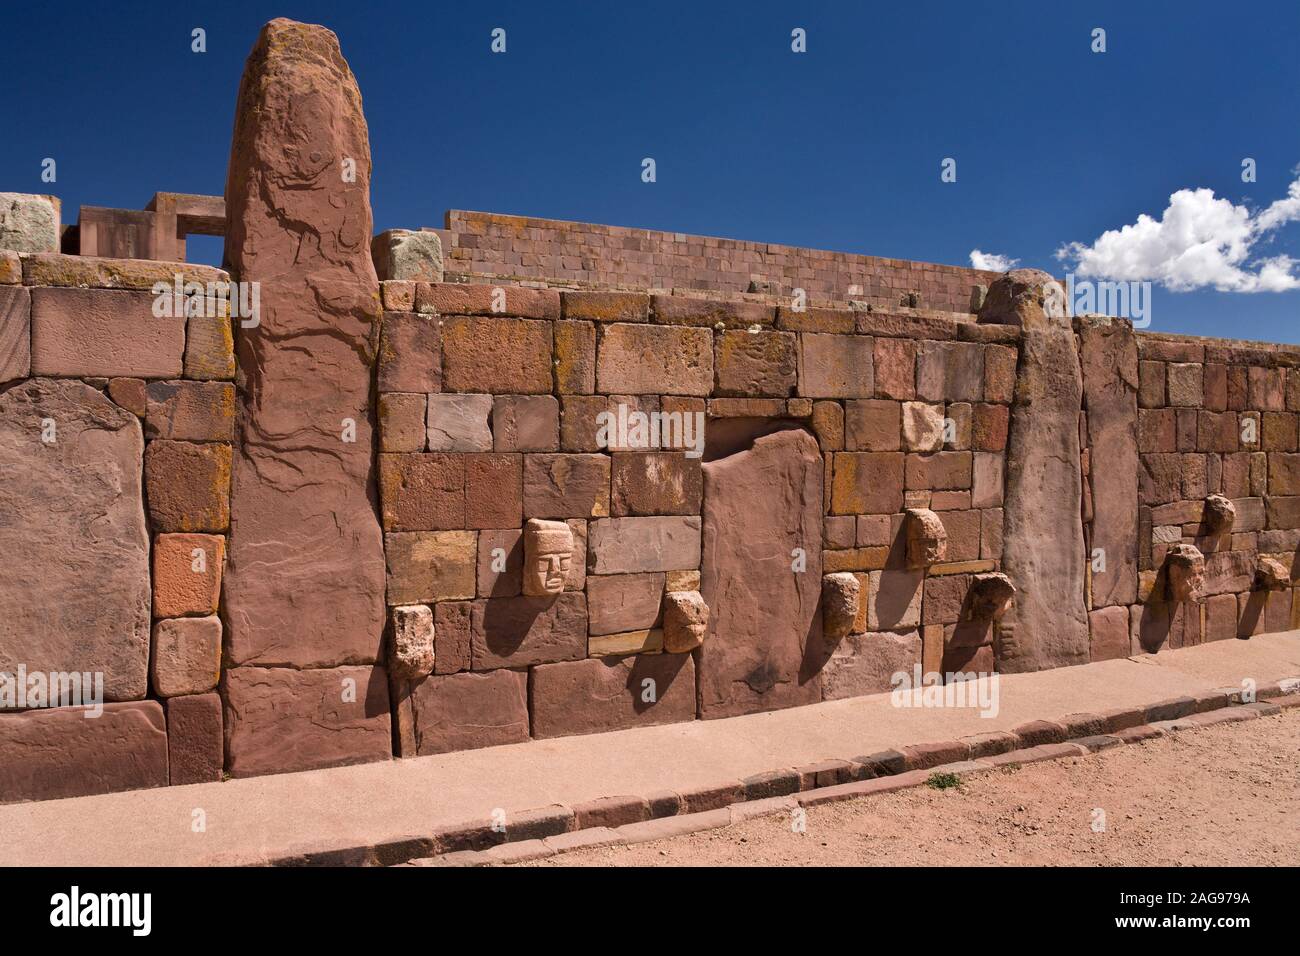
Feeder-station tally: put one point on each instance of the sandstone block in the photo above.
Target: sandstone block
(755, 363)
(636, 545)
(950, 371)
(895, 602)
(647, 359)
(493, 491)
(876, 425)
(130, 393)
(496, 355)
(517, 632)
(403, 425)
(575, 358)
(894, 364)
(452, 632)
(866, 663)
(655, 483)
(836, 366)
(457, 298)
(281, 719)
(525, 423)
(468, 711)
(187, 574)
(209, 345)
(599, 306)
(459, 422)
(89, 332)
(623, 602)
(15, 333)
(999, 373)
(422, 492)
(870, 483)
(410, 354)
(408, 254)
(566, 486)
(186, 656)
(943, 470)
(190, 411)
(74, 551)
(29, 223)
(429, 566)
(410, 655)
(608, 693)
(189, 485)
(923, 427)
(195, 748)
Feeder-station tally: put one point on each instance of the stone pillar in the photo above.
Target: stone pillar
(1043, 546)
(304, 588)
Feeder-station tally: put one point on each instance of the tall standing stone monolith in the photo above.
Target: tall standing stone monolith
(1043, 546)
(304, 587)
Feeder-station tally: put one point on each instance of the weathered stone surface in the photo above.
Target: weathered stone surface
(655, 483)
(1043, 531)
(468, 711)
(575, 358)
(516, 632)
(1110, 382)
(52, 753)
(403, 423)
(1108, 630)
(190, 411)
(195, 739)
(609, 693)
(841, 604)
(1272, 575)
(632, 545)
(496, 355)
(990, 597)
(422, 492)
(950, 371)
(29, 222)
(459, 298)
(11, 268)
(459, 423)
(189, 485)
(922, 426)
(410, 656)
(428, 566)
(186, 656)
(525, 423)
(640, 359)
(866, 663)
(872, 425)
(209, 346)
(187, 574)
(755, 363)
(600, 306)
(279, 719)
(451, 636)
(408, 254)
(131, 394)
(74, 552)
(870, 483)
(305, 581)
(623, 602)
(894, 366)
(1185, 571)
(686, 621)
(763, 649)
(494, 491)
(88, 332)
(410, 353)
(15, 333)
(836, 366)
(566, 486)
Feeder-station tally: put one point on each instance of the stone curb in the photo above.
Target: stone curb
(626, 819)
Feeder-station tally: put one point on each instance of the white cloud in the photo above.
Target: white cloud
(991, 261)
(1200, 241)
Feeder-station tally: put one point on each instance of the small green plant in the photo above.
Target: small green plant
(943, 781)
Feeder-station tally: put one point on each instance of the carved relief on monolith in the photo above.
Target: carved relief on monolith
(927, 541)
(548, 557)
(841, 603)
(1219, 516)
(1185, 574)
(686, 619)
(990, 597)
(1271, 575)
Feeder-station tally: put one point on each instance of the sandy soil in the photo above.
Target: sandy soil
(1227, 795)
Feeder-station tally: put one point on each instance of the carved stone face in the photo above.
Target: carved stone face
(1219, 516)
(927, 541)
(548, 557)
(990, 597)
(1271, 575)
(1185, 571)
(686, 619)
(841, 602)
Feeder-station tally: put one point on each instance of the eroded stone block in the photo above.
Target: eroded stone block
(686, 621)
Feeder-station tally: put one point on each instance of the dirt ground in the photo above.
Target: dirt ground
(1225, 795)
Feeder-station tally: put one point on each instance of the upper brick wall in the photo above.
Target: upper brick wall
(519, 247)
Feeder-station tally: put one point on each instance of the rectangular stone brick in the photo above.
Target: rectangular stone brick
(468, 711)
(429, 566)
(840, 321)
(187, 485)
(633, 545)
(836, 366)
(99, 332)
(402, 421)
(873, 425)
(57, 752)
(15, 333)
(452, 631)
(754, 363)
(187, 574)
(624, 602)
(566, 486)
(422, 492)
(575, 358)
(598, 306)
(647, 359)
(942, 470)
(502, 549)
(493, 491)
(496, 355)
(950, 371)
(870, 483)
(895, 368)
(603, 694)
(195, 745)
(410, 353)
(190, 411)
(517, 632)
(455, 298)
(687, 310)
(655, 483)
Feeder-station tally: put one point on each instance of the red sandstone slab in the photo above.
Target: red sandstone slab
(518, 631)
(48, 754)
(467, 711)
(606, 693)
(279, 719)
(101, 332)
(195, 739)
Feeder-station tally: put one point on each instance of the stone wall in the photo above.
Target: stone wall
(390, 517)
(489, 245)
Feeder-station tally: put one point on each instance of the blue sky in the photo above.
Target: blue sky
(837, 148)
